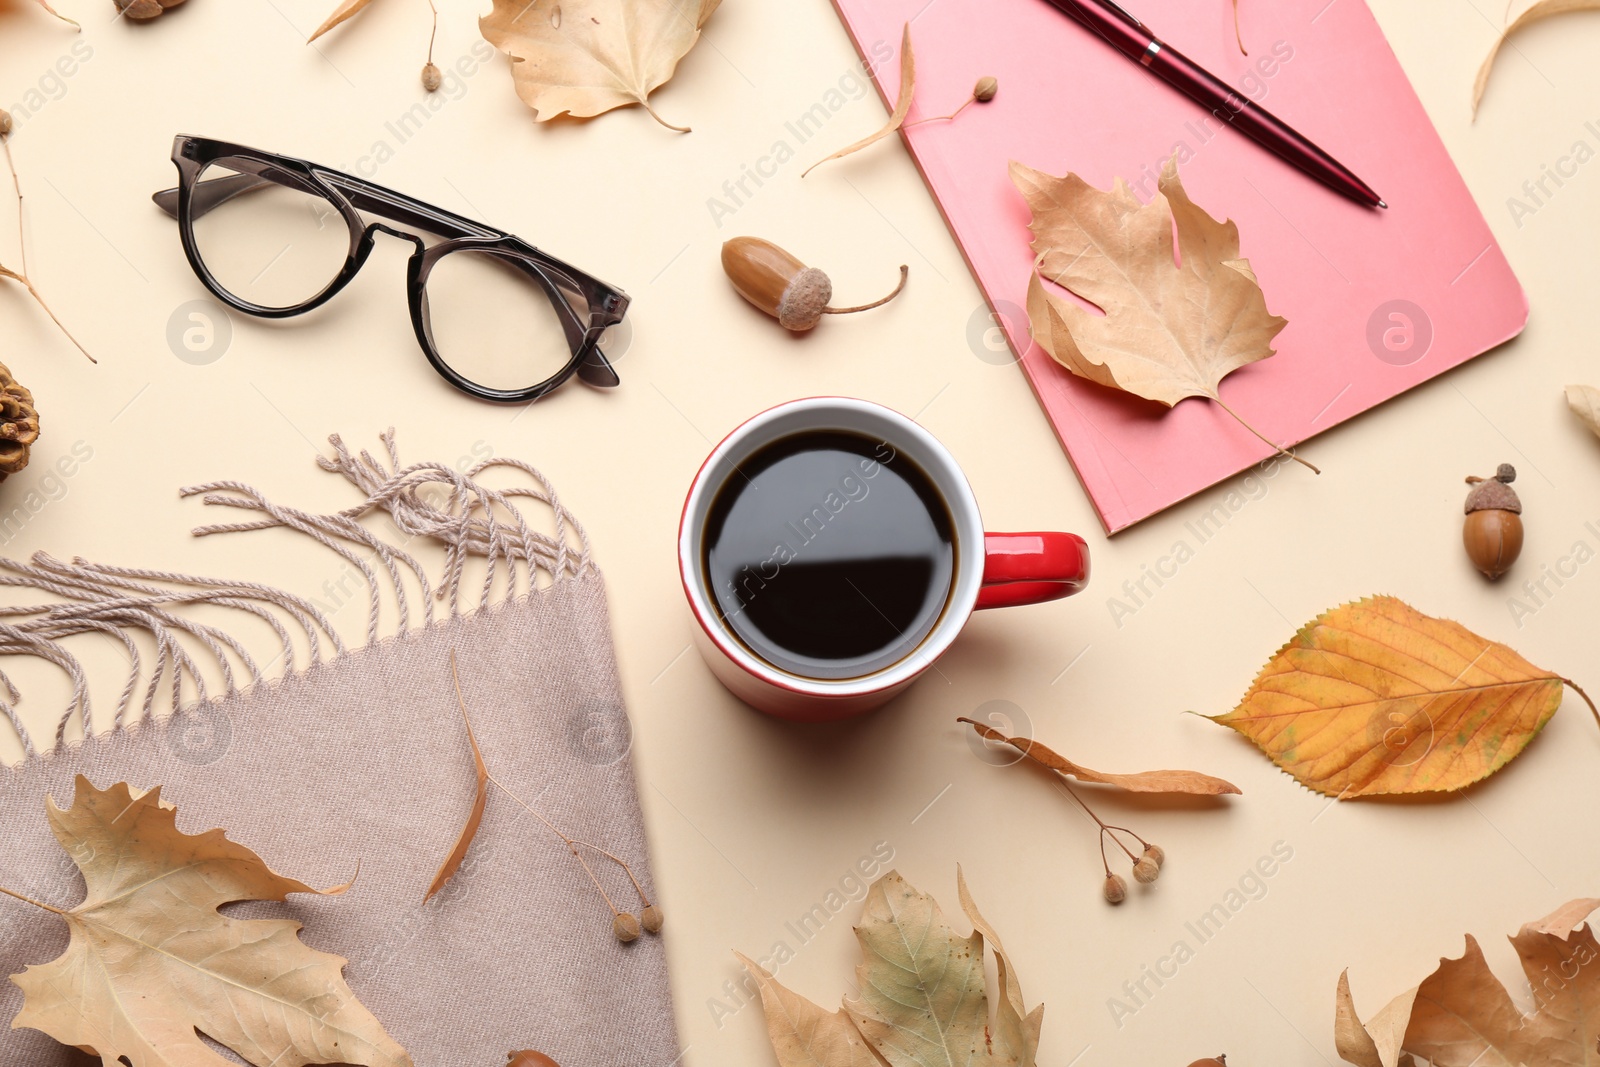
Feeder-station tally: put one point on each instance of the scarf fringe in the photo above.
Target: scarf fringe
(473, 520)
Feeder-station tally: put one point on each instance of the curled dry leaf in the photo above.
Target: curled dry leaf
(151, 960)
(452, 863)
(923, 996)
(1584, 400)
(346, 10)
(1541, 10)
(1462, 1016)
(1375, 697)
(1140, 782)
(902, 104)
(46, 5)
(586, 57)
(1170, 330)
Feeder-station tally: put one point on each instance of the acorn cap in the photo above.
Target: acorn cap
(1495, 494)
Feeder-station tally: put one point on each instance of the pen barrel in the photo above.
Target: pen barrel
(1120, 30)
(1230, 108)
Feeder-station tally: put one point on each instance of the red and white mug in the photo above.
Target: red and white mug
(991, 570)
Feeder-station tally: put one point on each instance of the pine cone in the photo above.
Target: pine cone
(19, 424)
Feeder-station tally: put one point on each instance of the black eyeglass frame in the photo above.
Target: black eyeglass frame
(350, 195)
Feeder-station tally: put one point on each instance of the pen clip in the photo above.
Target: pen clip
(1118, 9)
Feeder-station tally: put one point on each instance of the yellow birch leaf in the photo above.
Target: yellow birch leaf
(1375, 697)
(151, 963)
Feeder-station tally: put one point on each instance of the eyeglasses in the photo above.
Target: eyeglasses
(275, 236)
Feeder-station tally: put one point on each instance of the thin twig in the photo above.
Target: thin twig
(943, 118)
(1104, 829)
(435, 31)
(22, 249)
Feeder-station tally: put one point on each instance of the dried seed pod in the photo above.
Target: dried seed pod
(625, 926)
(984, 91)
(1116, 890)
(651, 918)
(1156, 854)
(431, 78)
(1493, 530)
(19, 424)
(1146, 870)
(6, 123)
(782, 286)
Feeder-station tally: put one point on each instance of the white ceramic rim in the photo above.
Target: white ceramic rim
(906, 437)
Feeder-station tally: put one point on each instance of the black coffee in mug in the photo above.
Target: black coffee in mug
(828, 554)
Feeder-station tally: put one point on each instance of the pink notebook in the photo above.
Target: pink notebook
(1377, 301)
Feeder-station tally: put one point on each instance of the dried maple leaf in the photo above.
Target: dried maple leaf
(1541, 10)
(1170, 331)
(902, 104)
(1584, 400)
(152, 964)
(1462, 1016)
(1138, 782)
(923, 1000)
(585, 57)
(1375, 697)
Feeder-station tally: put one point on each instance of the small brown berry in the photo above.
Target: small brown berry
(1493, 531)
(984, 91)
(625, 926)
(651, 918)
(1146, 870)
(6, 125)
(1156, 853)
(1116, 890)
(431, 78)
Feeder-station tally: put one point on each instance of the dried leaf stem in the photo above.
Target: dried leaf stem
(1570, 684)
(30, 900)
(1238, 34)
(876, 303)
(22, 239)
(1281, 450)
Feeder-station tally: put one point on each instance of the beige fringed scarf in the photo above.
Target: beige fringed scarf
(359, 753)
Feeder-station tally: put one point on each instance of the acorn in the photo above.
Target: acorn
(782, 286)
(1218, 1060)
(529, 1058)
(1493, 531)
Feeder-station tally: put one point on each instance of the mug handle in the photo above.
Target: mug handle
(1031, 568)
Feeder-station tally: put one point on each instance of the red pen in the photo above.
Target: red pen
(1130, 37)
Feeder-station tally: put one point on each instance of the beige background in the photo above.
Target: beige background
(754, 822)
